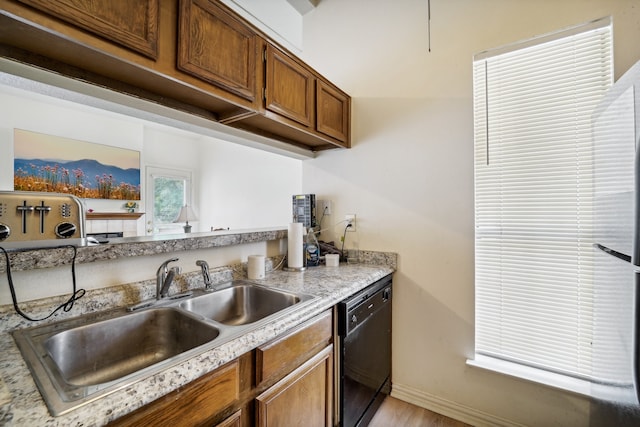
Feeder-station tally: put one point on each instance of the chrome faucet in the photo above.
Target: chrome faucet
(164, 278)
(208, 286)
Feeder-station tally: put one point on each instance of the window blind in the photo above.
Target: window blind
(534, 199)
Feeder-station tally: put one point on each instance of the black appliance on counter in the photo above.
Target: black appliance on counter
(364, 329)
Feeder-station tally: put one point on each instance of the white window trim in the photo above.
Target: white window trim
(581, 387)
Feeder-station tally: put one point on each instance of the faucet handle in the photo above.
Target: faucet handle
(205, 273)
(167, 282)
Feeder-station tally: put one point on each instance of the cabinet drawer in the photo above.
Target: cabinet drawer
(284, 354)
(199, 400)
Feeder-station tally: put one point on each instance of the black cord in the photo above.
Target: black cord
(67, 306)
(344, 237)
(324, 211)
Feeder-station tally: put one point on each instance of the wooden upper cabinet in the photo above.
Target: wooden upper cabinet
(332, 111)
(216, 47)
(132, 24)
(197, 56)
(289, 87)
(296, 92)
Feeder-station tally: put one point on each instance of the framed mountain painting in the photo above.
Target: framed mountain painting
(61, 165)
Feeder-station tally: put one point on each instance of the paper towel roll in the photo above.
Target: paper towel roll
(256, 267)
(294, 245)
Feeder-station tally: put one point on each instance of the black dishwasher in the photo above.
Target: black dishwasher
(364, 328)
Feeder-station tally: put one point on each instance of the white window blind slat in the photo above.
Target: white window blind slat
(534, 205)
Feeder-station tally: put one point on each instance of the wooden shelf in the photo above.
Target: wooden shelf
(113, 215)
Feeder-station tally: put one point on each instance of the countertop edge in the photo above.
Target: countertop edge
(55, 253)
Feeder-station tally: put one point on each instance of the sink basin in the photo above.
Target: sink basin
(105, 351)
(76, 361)
(241, 304)
(79, 360)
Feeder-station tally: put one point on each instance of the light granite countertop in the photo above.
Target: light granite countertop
(53, 253)
(17, 388)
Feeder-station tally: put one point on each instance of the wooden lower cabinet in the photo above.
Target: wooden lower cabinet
(302, 398)
(196, 404)
(285, 382)
(234, 420)
(282, 355)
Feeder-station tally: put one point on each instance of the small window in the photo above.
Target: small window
(167, 191)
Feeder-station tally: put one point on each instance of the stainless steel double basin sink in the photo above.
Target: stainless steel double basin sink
(79, 360)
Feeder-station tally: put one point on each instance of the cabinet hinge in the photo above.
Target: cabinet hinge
(264, 55)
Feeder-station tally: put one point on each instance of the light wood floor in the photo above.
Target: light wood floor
(394, 412)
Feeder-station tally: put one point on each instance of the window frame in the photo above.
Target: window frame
(501, 362)
(153, 172)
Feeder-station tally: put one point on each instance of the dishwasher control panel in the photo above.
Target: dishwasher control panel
(28, 216)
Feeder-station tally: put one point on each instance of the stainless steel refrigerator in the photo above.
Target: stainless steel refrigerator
(616, 225)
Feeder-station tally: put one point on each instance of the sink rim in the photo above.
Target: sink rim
(301, 298)
(29, 341)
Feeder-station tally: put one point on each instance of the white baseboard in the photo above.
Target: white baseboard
(448, 408)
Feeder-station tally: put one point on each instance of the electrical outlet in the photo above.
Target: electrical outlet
(324, 207)
(351, 219)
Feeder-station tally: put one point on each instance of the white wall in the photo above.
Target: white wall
(409, 178)
(277, 18)
(37, 113)
(241, 187)
(234, 186)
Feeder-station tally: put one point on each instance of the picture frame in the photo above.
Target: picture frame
(48, 163)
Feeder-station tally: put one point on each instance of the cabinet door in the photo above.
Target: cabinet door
(333, 111)
(289, 87)
(216, 47)
(133, 24)
(232, 421)
(302, 398)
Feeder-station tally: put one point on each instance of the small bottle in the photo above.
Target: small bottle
(312, 249)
